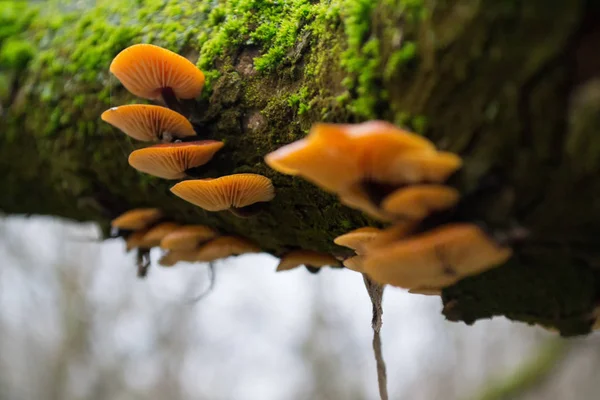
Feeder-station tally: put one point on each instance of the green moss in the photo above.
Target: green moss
(299, 101)
(400, 58)
(15, 54)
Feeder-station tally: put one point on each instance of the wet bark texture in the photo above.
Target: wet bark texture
(513, 87)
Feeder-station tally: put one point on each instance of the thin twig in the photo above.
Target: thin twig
(375, 292)
(212, 276)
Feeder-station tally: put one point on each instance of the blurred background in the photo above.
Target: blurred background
(75, 323)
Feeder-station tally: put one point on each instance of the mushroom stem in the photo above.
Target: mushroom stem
(143, 262)
(168, 96)
(312, 270)
(248, 211)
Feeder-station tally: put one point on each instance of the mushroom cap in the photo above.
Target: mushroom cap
(153, 237)
(145, 70)
(297, 258)
(147, 122)
(137, 219)
(390, 235)
(355, 263)
(230, 191)
(336, 156)
(171, 160)
(437, 258)
(135, 240)
(225, 246)
(172, 257)
(357, 238)
(187, 237)
(426, 291)
(423, 167)
(417, 201)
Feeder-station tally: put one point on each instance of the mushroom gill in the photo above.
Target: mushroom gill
(174, 160)
(238, 193)
(149, 123)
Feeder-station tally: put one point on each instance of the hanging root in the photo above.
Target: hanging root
(211, 285)
(376, 294)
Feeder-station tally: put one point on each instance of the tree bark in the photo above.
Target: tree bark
(513, 87)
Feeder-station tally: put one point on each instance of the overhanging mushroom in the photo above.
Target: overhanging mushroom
(312, 260)
(241, 194)
(225, 246)
(137, 219)
(187, 237)
(174, 160)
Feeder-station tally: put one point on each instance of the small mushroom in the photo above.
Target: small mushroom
(174, 160)
(357, 238)
(225, 246)
(187, 237)
(172, 257)
(308, 258)
(238, 193)
(426, 291)
(393, 234)
(136, 240)
(356, 198)
(423, 167)
(137, 219)
(149, 123)
(418, 201)
(152, 72)
(153, 237)
(437, 258)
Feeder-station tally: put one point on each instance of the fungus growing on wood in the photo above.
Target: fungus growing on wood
(225, 246)
(418, 201)
(437, 258)
(356, 198)
(137, 219)
(357, 239)
(238, 193)
(172, 257)
(390, 235)
(154, 235)
(136, 240)
(187, 237)
(152, 72)
(149, 123)
(423, 167)
(426, 291)
(174, 160)
(308, 258)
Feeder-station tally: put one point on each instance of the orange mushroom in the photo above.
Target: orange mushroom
(426, 291)
(135, 240)
(238, 193)
(187, 237)
(152, 72)
(149, 123)
(308, 258)
(172, 257)
(355, 263)
(417, 201)
(357, 239)
(223, 247)
(174, 160)
(388, 236)
(154, 235)
(137, 219)
(437, 258)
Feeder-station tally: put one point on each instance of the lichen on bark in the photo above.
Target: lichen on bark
(485, 79)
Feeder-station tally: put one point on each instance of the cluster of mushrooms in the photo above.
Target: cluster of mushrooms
(397, 177)
(392, 175)
(154, 73)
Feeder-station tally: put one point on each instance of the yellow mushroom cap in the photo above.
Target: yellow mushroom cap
(155, 234)
(148, 123)
(225, 246)
(389, 236)
(136, 219)
(145, 70)
(355, 263)
(418, 201)
(357, 238)
(297, 258)
(172, 257)
(171, 160)
(437, 258)
(187, 237)
(230, 191)
(424, 167)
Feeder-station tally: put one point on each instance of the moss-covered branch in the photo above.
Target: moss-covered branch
(509, 85)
